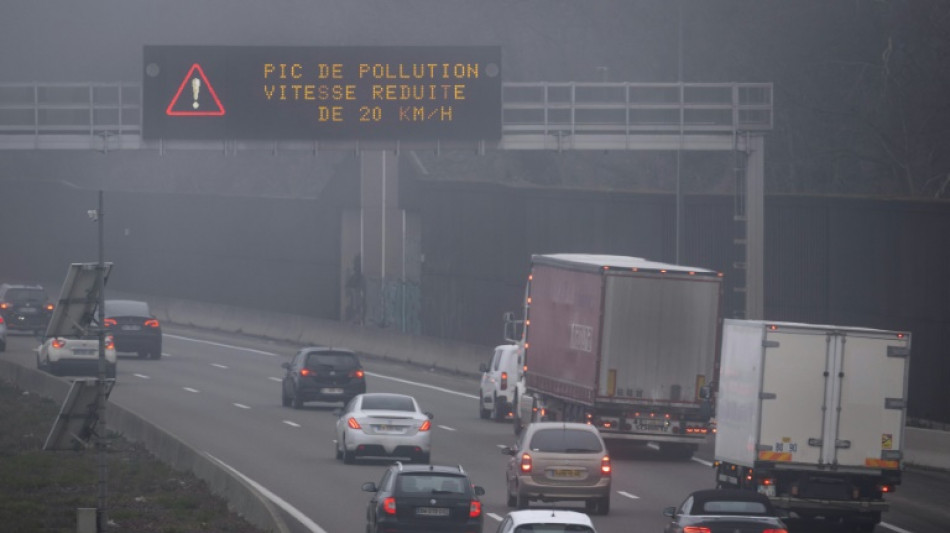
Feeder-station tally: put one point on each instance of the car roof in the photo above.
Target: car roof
(535, 426)
(126, 307)
(549, 516)
(439, 469)
(700, 497)
(335, 349)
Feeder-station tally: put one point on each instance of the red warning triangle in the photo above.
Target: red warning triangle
(199, 100)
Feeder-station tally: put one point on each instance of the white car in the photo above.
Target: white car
(547, 521)
(383, 425)
(496, 396)
(70, 356)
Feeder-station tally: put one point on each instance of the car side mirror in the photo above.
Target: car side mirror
(285, 365)
(508, 450)
(429, 414)
(479, 491)
(338, 412)
(670, 512)
(483, 368)
(369, 486)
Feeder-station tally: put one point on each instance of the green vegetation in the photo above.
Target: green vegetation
(41, 490)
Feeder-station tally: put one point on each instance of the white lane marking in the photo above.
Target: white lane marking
(189, 389)
(289, 509)
(294, 424)
(423, 385)
(219, 366)
(892, 527)
(500, 446)
(166, 354)
(654, 446)
(493, 515)
(242, 406)
(270, 354)
(628, 495)
(279, 380)
(702, 461)
(143, 376)
(447, 428)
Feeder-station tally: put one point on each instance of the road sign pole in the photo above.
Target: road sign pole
(101, 518)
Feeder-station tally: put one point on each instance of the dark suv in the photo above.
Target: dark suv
(418, 498)
(322, 374)
(25, 307)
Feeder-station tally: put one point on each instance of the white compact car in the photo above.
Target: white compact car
(383, 425)
(496, 396)
(70, 356)
(546, 520)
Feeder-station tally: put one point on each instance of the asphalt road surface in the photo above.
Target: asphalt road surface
(221, 394)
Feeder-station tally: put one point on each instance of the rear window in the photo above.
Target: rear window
(25, 295)
(426, 483)
(335, 360)
(733, 507)
(565, 440)
(388, 402)
(126, 308)
(553, 528)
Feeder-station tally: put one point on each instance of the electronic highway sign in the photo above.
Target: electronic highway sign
(322, 93)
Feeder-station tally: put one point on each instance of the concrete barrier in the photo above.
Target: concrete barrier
(242, 498)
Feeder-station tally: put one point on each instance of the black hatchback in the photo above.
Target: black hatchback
(420, 498)
(322, 374)
(25, 307)
(134, 328)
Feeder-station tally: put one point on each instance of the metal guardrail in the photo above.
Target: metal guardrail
(93, 115)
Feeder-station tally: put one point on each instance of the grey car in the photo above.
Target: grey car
(559, 461)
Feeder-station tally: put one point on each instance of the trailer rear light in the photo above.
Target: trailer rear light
(605, 467)
(151, 323)
(504, 381)
(109, 322)
(696, 529)
(389, 505)
(110, 343)
(474, 509)
(525, 463)
(885, 488)
(353, 423)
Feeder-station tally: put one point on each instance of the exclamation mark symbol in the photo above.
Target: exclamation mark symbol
(195, 87)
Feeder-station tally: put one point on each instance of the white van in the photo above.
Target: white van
(498, 382)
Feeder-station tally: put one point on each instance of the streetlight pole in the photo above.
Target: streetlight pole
(101, 517)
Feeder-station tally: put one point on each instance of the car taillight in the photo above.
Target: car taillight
(605, 468)
(353, 423)
(151, 323)
(110, 343)
(525, 463)
(4, 305)
(425, 426)
(357, 374)
(109, 322)
(58, 343)
(696, 529)
(306, 372)
(774, 531)
(1, 320)
(49, 307)
(475, 509)
(504, 380)
(389, 505)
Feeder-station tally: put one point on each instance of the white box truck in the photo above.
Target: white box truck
(627, 344)
(813, 416)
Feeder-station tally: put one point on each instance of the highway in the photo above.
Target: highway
(220, 393)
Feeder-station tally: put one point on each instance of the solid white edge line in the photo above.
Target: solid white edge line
(702, 461)
(289, 509)
(291, 423)
(893, 527)
(262, 352)
(423, 385)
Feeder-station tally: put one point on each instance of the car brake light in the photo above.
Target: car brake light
(357, 374)
(58, 343)
(525, 463)
(504, 380)
(696, 529)
(305, 372)
(1, 320)
(885, 488)
(49, 307)
(475, 509)
(605, 468)
(389, 505)
(152, 323)
(353, 423)
(425, 426)
(109, 322)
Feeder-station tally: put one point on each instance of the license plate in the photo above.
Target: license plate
(26, 310)
(131, 328)
(432, 511)
(331, 391)
(383, 428)
(563, 473)
(84, 351)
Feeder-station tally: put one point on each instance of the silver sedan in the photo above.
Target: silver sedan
(383, 425)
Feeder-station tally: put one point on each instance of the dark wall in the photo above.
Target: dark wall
(860, 262)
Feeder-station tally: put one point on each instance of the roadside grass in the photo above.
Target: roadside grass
(40, 491)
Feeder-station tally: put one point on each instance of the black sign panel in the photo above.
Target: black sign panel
(322, 93)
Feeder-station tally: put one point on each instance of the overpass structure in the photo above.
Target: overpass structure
(547, 116)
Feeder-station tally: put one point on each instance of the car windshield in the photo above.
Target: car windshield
(388, 402)
(335, 360)
(553, 528)
(126, 308)
(565, 440)
(428, 483)
(26, 295)
(733, 507)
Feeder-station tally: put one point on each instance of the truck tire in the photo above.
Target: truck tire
(498, 413)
